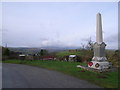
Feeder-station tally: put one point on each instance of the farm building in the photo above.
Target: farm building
(74, 58)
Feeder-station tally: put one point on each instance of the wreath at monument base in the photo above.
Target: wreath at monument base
(97, 65)
(90, 64)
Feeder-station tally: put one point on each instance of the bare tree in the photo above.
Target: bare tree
(89, 45)
(82, 46)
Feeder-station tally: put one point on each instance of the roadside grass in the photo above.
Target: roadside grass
(105, 80)
(86, 55)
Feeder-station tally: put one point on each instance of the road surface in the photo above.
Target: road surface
(23, 76)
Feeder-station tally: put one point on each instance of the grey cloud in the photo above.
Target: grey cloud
(42, 39)
(84, 39)
(112, 38)
(4, 30)
(112, 41)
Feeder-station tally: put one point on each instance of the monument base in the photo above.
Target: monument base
(99, 65)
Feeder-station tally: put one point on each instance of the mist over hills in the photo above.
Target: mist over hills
(50, 49)
(33, 50)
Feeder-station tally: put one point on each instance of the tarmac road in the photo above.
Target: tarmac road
(23, 76)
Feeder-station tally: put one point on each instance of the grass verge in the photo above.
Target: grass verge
(106, 80)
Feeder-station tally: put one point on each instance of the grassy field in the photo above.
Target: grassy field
(87, 55)
(79, 53)
(106, 80)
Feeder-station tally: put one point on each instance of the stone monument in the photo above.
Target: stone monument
(99, 61)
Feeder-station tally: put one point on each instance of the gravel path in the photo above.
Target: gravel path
(23, 76)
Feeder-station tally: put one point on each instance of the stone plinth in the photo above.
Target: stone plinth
(99, 52)
(99, 65)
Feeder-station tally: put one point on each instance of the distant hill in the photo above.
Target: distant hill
(33, 50)
(25, 50)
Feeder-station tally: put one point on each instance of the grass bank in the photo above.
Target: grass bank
(106, 80)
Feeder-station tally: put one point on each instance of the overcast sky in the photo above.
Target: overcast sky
(57, 24)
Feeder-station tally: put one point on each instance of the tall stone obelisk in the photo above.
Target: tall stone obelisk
(99, 61)
(99, 37)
